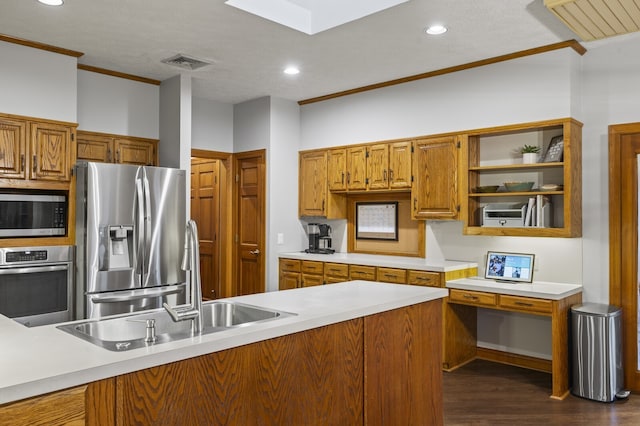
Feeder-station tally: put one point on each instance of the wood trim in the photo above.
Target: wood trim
(115, 136)
(118, 74)
(573, 44)
(518, 360)
(41, 46)
(38, 119)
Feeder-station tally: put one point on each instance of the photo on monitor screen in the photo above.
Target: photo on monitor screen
(512, 267)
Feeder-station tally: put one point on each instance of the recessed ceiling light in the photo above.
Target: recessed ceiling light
(52, 2)
(436, 30)
(291, 70)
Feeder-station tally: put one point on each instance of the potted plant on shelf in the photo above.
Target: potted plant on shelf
(529, 154)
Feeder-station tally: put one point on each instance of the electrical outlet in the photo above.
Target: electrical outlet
(280, 238)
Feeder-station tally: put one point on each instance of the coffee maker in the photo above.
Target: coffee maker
(319, 238)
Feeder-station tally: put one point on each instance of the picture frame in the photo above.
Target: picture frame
(377, 221)
(555, 150)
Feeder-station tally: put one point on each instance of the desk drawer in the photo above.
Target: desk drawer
(338, 270)
(473, 297)
(430, 279)
(312, 267)
(526, 304)
(392, 275)
(290, 265)
(360, 272)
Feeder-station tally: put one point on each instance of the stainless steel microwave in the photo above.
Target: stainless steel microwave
(32, 215)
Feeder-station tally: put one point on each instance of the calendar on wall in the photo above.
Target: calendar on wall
(377, 221)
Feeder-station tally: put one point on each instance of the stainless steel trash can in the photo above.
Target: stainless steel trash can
(597, 351)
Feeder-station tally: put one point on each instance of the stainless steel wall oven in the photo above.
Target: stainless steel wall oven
(36, 284)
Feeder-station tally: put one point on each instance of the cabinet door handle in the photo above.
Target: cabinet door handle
(384, 175)
(117, 156)
(348, 178)
(35, 163)
(22, 162)
(343, 178)
(108, 155)
(390, 174)
(415, 204)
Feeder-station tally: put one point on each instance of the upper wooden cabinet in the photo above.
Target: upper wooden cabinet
(381, 166)
(488, 160)
(107, 148)
(314, 198)
(435, 185)
(34, 150)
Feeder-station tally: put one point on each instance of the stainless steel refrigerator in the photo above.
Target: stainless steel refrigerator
(130, 223)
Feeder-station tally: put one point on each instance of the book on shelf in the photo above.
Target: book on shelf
(538, 213)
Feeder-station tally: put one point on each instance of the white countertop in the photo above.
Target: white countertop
(403, 262)
(39, 360)
(537, 289)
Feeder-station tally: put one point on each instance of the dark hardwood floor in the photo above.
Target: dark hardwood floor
(488, 393)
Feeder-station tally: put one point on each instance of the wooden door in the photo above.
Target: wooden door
(378, 166)
(205, 210)
(312, 190)
(336, 169)
(250, 222)
(51, 151)
(624, 152)
(435, 187)
(357, 168)
(400, 165)
(13, 134)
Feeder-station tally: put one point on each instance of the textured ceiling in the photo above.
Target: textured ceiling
(248, 53)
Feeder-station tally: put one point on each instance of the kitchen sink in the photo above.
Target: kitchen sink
(132, 331)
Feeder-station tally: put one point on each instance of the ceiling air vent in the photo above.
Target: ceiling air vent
(185, 62)
(597, 19)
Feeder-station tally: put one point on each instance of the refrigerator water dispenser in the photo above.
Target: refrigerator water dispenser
(120, 239)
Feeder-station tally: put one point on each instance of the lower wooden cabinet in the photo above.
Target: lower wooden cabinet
(336, 272)
(361, 272)
(392, 275)
(425, 278)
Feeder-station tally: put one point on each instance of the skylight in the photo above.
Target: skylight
(313, 16)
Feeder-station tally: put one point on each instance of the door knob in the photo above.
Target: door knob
(256, 252)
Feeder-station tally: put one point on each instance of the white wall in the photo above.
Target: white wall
(526, 89)
(38, 83)
(282, 186)
(116, 105)
(212, 125)
(252, 125)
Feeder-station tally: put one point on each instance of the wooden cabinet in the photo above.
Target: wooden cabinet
(314, 199)
(357, 168)
(34, 150)
(435, 185)
(336, 272)
(389, 166)
(289, 274)
(392, 275)
(487, 160)
(13, 137)
(425, 278)
(337, 169)
(360, 272)
(311, 273)
(108, 148)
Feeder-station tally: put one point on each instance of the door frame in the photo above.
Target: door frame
(226, 216)
(623, 273)
(237, 157)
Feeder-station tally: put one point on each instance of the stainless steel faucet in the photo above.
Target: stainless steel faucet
(191, 263)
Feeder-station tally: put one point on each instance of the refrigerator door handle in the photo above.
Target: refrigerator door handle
(147, 226)
(136, 295)
(138, 244)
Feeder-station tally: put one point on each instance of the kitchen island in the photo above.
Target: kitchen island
(355, 353)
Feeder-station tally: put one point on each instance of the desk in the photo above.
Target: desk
(539, 298)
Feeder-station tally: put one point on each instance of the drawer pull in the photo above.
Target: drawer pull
(390, 276)
(470, 297)
(423, 278)
(523, 304)
(335, 270)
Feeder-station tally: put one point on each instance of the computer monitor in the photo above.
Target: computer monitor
(511, 267)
